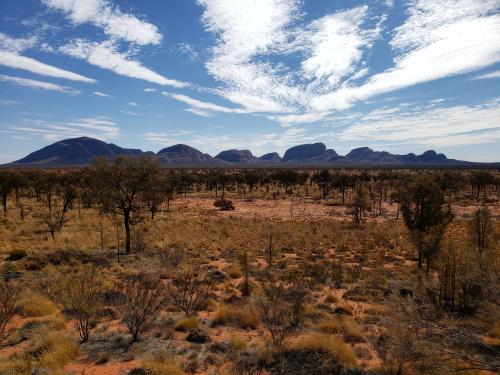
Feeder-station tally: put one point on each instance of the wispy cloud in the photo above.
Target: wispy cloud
(99, 93)
(201, 105)
(38, 84)
(437, 40)
(490, 75)
(110, 18)
(15, 61)
(98, 127)
(106, 55)
(431, 125)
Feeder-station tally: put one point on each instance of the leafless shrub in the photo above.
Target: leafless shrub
(8, 305)
(190, 291)
(282, 309)
(171, 258)
(79, 295)
(141, 298)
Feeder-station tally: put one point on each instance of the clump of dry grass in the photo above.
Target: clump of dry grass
(331, 326)
(245, 317)
(315, 351)
(186, 324)
(351, 330)
(343, 309)
(237, 343)
(35, 305)
(58, 349)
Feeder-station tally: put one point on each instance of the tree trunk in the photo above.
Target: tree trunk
(4, 202)
(126, 222)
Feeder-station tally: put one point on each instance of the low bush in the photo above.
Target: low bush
(315, 354)
(186, 324)
(245, 317)
(224, 204)
(35, 305)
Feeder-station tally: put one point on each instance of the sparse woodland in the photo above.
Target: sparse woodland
(127, 268)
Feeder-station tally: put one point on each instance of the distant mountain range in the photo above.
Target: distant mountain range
(81, 151)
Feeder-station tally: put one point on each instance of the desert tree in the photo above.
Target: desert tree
(8, 305)
(190, 290)
(481, 228)
(7, 184)
(65, 188)
(141, 297)
(79, 295)
(424, 215)
(360, 204)
(121, 187)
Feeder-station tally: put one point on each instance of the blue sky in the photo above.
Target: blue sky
(264, 75)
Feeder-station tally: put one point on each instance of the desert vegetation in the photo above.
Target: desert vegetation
(127, 268)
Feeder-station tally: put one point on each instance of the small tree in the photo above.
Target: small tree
(7, 182)
(481, 228)
(122, 187)
(190, 291)
(142, 296)
(360, 205)
(8, 305)
(422, 207)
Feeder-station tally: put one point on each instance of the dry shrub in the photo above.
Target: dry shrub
(142, 296)
(343, 309)
(190, 291)
(155, 366)
(186, 324)
(245, 317)
(235, 271)
(237, 343)
(58, 349)
(329, 326)
(376, 310)
(351, 330)
(171, 258)
(80, 296)
(36, 305)
(8, 305)
(315, 354)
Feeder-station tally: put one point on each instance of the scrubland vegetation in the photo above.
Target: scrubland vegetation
(125, 268)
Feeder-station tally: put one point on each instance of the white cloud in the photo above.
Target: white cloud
(188, 50)
(490, 75)
(255, 40)
(98, 93)
(9, 102)
(105, 55)
(15, 61)
(204, 106)
(8, 43)
(113, 21)
(149, 90)
(428, 125)
(199, 112)
(246, 30)
(133, 104)
(97, 127)
(38, 84)
(335, 45)
(439, 39)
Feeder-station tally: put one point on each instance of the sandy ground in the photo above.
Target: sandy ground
(303, 209)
